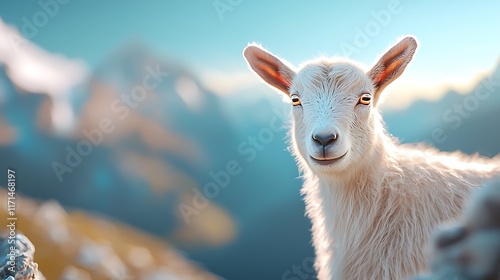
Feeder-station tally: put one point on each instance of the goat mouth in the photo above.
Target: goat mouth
(327, 161)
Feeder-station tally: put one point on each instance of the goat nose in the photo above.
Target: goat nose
(325, 139)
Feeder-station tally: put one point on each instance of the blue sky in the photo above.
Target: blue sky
(459, 40)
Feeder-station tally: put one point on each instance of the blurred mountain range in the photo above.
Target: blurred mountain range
(164, 147)
(463, 121)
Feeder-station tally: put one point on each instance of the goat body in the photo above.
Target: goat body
(376, 223)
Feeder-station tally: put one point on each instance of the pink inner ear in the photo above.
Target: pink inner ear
(389, 70)
(382, 77)
(275, 75)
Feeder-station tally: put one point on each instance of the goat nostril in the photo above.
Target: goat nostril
(326, 139)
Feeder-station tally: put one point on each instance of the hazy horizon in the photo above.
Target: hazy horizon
(453, 54)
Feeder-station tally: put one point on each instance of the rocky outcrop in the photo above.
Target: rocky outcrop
(471, 250)
(82, 246)
(17, 258)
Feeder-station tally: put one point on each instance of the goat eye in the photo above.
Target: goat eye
(295, 100)
(365, 99)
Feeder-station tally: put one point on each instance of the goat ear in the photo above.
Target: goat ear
(392, 64)
(270, 68)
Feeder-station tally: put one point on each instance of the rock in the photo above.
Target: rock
(18, 264)
(472, 250)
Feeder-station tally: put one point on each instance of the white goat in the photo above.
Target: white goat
(373, 202)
